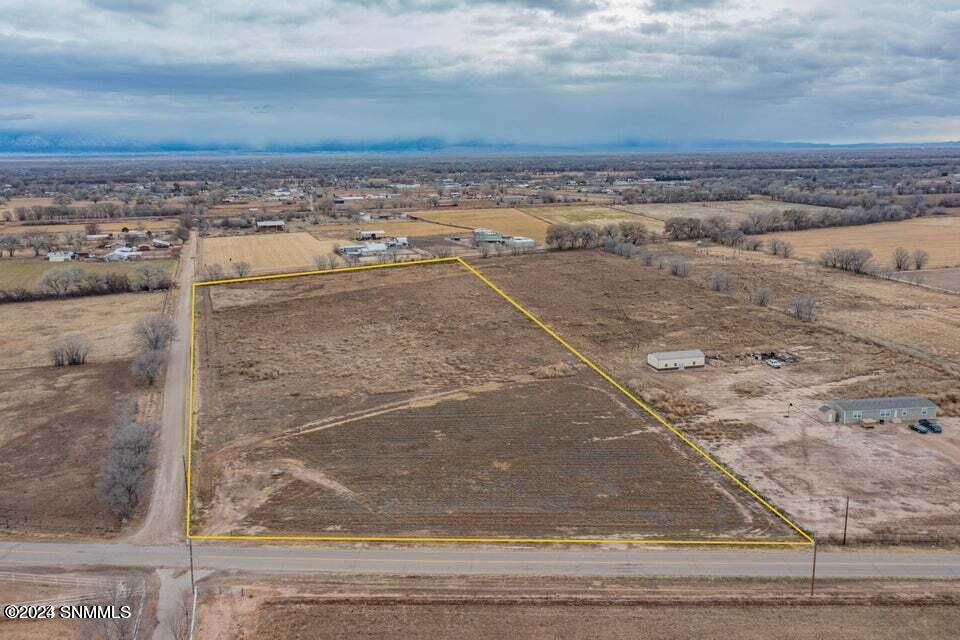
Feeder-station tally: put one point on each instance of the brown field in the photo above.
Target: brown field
(874, 337)
(25, 273)
(507, 221)
(946, 279)
(735, 210)
(265, 252)
(547, 608)
(405, 417)
(56, 419)
(938, 235)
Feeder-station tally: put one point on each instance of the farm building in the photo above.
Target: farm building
(60, 256)
(271, 225)
(665, 360)
(894, 409)
(371, 235)
(365, 249)
(486, 235)
(122, 254)
(521, 242)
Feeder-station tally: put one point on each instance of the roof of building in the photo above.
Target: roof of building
(893, 402)
(270, 223)
(692, 353)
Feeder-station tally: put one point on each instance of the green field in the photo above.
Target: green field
(25, 273)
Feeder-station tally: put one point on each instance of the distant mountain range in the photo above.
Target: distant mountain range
(48, 143)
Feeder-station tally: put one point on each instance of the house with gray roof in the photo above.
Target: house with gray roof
(892, 409)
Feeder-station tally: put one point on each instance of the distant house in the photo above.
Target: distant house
(60, 256)
(365, 249)
(895, 409)
(122, 254)
(521, 242)
(666, 360)
(271, 225)
(481, 236)
(371, 235)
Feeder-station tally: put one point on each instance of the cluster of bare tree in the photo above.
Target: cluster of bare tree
(125, 469)
(562, 237)
(903, 260)
(690, 193)
(76, 282)
(853, 260)
(151, 336)
(102, 211)
(780, 247)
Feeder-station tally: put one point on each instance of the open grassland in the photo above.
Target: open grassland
(734, 210)
(513, 222)
(946, 279)
(25, 273)
(872, 338)
(545, 608)
(56, 420)
(265, 252)
(404, 417)
(347, 232)
(938, 235)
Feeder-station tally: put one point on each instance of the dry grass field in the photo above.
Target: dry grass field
(938, 235)
(25, 273)
(578, 608)
(946, 279)
(507, 221)
(404, 417)
(56, 419)
(873, 338)
(735, 210)
(265, 252)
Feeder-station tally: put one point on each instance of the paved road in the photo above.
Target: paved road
(487, 561)
(164, 520)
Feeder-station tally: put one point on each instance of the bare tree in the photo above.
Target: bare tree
(780, 247)
(484, 249)
(69, 350)
(147, 366)
(920, 259)
(124, 473)
(61, 281)
(322, 263)
(804, 308)
(901, 259)
(722, 281)
(211, 272)
(37, 241)
(154, 332)
(151, 277)
(680, 268)
(761, 296)
(178, 620)
(121, 594)
(241, 268)
(9, 243)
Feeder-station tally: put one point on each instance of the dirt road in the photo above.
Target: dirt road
(164, 521)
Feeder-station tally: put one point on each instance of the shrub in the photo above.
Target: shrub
(722, 281)
(680, 268)
(804, 308)
(69, 350)
(154, 332)
(147, 366)
(761, 296)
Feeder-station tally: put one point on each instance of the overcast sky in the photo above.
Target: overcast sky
(519, 71)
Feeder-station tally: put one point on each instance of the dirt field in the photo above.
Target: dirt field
(947, 279)
(404, 416)
(265, 252)
(938, 235)
(611, 609)
(25, 273)
(507, 221)
(55, 419)
(618, 310)
(735, 210)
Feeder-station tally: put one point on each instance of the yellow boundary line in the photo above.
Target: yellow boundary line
(807, 539)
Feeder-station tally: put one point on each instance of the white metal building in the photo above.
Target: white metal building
(665, 360)
(59, 256)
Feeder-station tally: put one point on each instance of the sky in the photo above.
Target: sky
(526, 72)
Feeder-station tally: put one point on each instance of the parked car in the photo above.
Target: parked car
(773, 362)
(931, 425)
(919, 428)
(928, 421)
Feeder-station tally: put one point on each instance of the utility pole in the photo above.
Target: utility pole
(187, 536)
(846, 516)
(813, 574)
